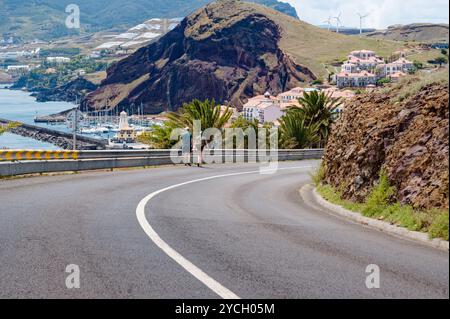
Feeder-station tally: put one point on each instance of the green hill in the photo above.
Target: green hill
(44, 19)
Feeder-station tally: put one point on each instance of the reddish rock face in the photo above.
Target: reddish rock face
(223, 52)
(408, 139)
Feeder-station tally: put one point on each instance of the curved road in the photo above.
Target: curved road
(250, 234)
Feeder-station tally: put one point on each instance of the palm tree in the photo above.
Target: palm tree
(159, 136)
(296, 133)
(207, 112)
(254, 125)
(318, 109)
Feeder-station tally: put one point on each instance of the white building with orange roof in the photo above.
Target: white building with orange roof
(291, 95)
(263, 108)
(360, 79)
(401, 65)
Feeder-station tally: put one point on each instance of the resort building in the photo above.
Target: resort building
(364, 60)
(291, 95)
(58, 59)
(263, 108)
(18, 70)
(364, 68)
(269, 109)
(401, 65)
(361, 79)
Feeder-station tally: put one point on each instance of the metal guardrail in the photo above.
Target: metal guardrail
(18, 162)
(20, 155)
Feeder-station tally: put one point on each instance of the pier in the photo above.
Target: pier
(61, 139)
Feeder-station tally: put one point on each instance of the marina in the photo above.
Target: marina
(59, 116)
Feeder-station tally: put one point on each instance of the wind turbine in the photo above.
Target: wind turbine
(328, 22)
(361, 18)
(338, 22)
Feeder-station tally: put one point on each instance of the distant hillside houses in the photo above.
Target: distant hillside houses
(364, 69)
(18, 70)
(269, 109)
(58, 60)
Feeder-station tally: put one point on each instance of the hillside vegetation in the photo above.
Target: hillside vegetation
(229, 50)
(317, 48)
(418, 32)
(45, 19)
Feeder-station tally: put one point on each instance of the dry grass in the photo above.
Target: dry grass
(317, 48)
(96, 77)
(115, 93)
(411, 85)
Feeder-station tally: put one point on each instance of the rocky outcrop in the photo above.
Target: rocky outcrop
(408, 139)
(227, 51)
(68, 92)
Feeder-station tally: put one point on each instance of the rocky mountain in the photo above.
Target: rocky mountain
(69, 92)
(419, 32)
(405, 132)
(228, 50)
(44, 19)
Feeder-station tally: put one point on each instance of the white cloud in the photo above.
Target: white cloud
(382, 12)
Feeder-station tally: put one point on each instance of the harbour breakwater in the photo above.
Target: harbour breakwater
(61, 139)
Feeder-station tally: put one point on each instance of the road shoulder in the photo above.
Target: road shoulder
(369, 222)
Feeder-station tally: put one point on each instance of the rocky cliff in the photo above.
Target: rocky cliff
(227, 51)
(404, 134)
(68, 92)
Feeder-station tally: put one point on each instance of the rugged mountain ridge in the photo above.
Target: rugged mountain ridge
(227, 51)
(418, 32)
(407, 138)
(45, 19)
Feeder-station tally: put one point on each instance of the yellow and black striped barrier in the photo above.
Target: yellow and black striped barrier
(34, 155)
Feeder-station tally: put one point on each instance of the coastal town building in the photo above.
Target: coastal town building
(359, 79)
(58, 59)
(18, 70)
(269, 109)
(364, 69)
(401, 65)
(263, 108)
(364, 59)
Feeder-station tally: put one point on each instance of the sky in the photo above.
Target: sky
(383, 13)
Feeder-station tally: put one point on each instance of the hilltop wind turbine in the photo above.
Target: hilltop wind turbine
(361, 18)
(338, 22)
(328, 22)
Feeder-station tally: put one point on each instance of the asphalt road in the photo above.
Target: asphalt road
(251, 233)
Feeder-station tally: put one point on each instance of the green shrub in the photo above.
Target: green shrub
(380, 196)
(439, 226)
(378, 205)
(318, 175)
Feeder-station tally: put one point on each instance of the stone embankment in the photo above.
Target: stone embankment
(60, 139)
(407, 138)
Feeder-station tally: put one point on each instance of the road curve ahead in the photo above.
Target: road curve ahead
(180, 232)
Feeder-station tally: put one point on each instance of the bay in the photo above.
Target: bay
(20, 106)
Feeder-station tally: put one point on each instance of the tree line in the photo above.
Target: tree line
(306, 126)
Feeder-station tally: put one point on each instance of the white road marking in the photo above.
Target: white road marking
(212, 284)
